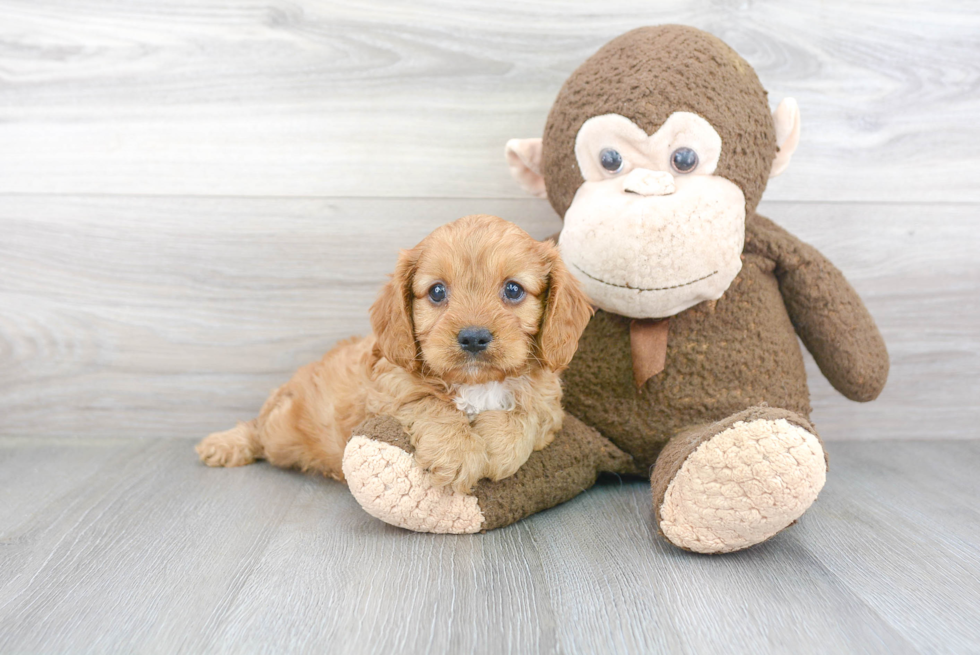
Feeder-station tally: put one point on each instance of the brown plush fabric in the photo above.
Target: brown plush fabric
(566, 468)
(674, 454)
(722, 357)
(563, 470)
(648, 74)
(826, 311)
(387, 430)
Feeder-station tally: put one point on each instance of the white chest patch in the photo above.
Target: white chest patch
(475, 398)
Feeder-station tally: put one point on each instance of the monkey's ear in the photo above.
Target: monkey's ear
(787, 120)
(524, 159)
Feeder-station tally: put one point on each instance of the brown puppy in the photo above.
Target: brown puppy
(469, 337)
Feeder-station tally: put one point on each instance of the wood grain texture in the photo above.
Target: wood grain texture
(149, 551)
(384, 99)
(158, 317)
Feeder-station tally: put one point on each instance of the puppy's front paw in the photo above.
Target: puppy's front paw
(459, 466)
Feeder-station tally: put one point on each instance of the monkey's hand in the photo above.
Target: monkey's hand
(826, 311)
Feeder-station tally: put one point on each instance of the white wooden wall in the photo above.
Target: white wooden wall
(198, 196)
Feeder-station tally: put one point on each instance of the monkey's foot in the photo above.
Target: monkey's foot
(737, 482)
(390, 485)
(388, 482)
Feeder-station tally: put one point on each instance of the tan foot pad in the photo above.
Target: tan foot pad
(389, 485)
(742, 486)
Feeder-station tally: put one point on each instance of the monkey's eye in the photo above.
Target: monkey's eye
(513, 291)
(437, 292)
(684, 160)
(611, 160)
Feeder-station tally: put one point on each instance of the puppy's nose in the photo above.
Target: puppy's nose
(474, 339)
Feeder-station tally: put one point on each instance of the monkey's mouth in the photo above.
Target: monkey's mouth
(632, 288)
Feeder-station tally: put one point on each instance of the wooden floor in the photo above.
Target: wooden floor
(132, 546)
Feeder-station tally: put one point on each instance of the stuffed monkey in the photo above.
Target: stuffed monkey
(655, 154)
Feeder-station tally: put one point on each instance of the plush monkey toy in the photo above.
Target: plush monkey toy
(656, 153)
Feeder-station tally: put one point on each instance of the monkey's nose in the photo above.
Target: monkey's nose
(645, 182)
(474, 339)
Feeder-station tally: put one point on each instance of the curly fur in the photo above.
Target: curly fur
(413, 368)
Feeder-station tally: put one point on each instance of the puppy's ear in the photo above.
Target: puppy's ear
(391, 314)
(567, 311)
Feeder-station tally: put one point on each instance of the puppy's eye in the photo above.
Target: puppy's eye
(437, 292)
(513, 291)
(611, 160)
(684, 160)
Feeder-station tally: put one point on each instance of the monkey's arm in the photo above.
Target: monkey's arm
(826, 311)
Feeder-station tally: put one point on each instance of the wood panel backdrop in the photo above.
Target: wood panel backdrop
(198, 196)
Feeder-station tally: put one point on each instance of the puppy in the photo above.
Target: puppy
(469, 337)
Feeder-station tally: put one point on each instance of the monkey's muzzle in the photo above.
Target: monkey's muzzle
(644, 182)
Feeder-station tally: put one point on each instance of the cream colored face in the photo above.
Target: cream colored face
(659, 232)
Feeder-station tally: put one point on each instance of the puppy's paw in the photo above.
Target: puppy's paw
(458, 466)
(229, 448)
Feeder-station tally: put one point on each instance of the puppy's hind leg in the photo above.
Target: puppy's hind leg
(244, 443)
(235, 447)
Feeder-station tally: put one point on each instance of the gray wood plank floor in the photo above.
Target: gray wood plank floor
(132, 546)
